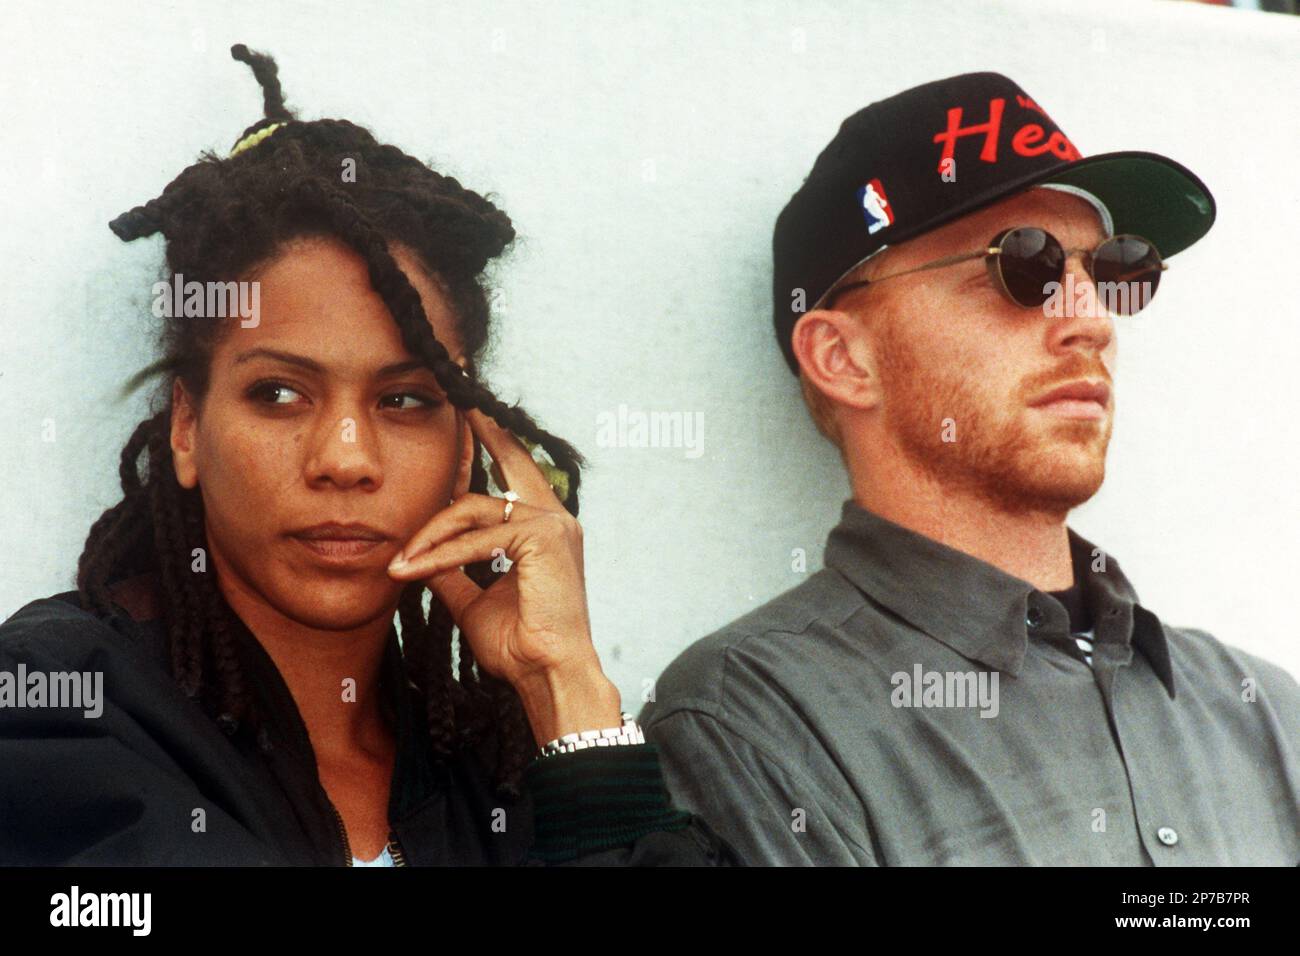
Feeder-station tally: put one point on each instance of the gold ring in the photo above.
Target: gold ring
(511, 498)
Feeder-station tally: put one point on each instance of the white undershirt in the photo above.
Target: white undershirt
(1084, 640)
(384, 859)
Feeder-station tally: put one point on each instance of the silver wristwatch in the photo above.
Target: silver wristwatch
(626, 735)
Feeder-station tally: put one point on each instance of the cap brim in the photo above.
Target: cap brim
(1147, 194)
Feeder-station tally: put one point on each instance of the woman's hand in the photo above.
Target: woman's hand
(530, 627)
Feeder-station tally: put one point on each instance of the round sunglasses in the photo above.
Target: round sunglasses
(1026, 261)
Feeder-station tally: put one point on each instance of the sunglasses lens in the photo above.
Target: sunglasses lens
(1127, 272)
(1030, 259)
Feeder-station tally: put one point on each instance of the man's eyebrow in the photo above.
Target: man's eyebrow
(311, 365)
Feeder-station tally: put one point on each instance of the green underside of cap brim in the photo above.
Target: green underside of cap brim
(1148, 196)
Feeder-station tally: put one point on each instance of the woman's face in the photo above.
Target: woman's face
(318, 414)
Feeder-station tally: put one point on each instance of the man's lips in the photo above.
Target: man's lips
(1082, 399)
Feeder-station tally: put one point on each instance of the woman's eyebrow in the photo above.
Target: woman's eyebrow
(388, 371)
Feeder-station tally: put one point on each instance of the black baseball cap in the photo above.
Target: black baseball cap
(924, 157)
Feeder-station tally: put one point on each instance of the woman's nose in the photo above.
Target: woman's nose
(345, 453)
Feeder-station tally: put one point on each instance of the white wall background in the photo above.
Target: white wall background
(644, 151)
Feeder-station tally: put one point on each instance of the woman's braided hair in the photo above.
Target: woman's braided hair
(221, 217)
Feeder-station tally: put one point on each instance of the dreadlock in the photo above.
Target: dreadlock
(222, 217)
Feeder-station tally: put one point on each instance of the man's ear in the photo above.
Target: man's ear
(836, 355)
(463, 469)
(184, 426)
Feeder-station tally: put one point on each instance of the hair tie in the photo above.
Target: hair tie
(252, 139)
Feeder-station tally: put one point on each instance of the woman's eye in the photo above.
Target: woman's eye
(420, 401)
(263, 391)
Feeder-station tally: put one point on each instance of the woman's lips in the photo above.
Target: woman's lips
(341, 544)
(339, 550)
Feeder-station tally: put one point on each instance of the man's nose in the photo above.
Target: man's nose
(1084, 321)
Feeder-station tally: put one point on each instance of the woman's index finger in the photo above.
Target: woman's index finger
(514, 461)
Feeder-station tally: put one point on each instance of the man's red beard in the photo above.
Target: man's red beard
(999, 453)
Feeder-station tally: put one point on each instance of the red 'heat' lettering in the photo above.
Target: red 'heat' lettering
(1026, 141)
(989, 151)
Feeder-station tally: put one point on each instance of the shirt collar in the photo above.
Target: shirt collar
(978, 610)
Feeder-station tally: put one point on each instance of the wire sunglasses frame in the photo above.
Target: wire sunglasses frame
(1148, 264)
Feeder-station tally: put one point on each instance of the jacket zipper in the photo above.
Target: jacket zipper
(343, 835)
(394, 848)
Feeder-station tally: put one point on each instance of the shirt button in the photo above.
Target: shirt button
(1033, 617)
(1167, 835)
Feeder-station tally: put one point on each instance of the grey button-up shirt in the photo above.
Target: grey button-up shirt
(911, 704)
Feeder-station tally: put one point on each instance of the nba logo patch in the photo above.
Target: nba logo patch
(875, 206)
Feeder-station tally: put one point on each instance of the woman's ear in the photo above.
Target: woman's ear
(183, 438)
(465, 467)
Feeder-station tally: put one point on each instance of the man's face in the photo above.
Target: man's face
(963, 370)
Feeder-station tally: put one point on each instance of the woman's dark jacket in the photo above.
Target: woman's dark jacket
(153, 780)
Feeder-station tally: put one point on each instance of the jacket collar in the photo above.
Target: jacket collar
(978, 610)
(421, 785)
(415, 775)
